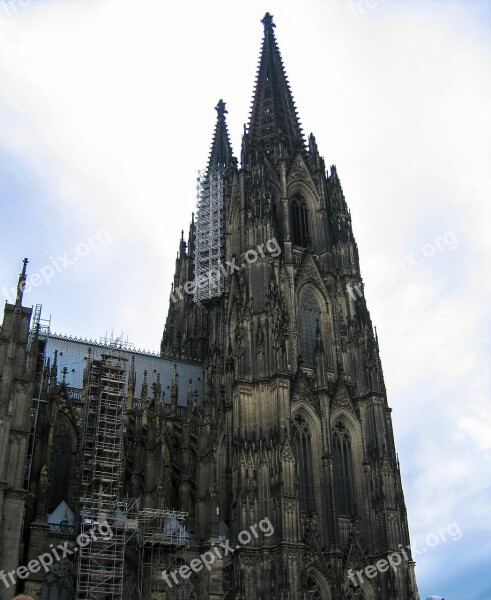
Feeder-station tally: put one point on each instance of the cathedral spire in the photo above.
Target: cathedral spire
(273, 121)
(221, 150)
(22, 283)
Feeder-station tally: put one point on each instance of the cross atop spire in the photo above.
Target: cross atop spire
(267, 21)
(221, 110)
(221, 150)
(273, 122)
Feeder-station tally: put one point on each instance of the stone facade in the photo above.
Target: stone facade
(291, 425)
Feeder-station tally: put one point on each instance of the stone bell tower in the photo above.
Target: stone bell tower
(17, 366)
(296, 425)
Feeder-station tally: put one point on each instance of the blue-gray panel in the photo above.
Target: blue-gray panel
(72, 354)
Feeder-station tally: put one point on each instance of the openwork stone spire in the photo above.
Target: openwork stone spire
(221, 150)
(273, 120)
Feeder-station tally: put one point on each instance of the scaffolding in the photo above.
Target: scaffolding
(161, 537)
(100, 566)
(41, 329)
(157, 535)
(209, 252)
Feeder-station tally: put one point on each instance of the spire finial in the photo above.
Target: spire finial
(221, 110)
(268, 23)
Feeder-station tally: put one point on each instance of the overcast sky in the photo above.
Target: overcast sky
(106, 114)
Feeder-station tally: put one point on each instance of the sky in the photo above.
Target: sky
(107, 114)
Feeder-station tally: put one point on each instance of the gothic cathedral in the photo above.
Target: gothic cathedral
(272, 452)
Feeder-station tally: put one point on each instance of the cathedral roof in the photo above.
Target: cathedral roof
(72, 353)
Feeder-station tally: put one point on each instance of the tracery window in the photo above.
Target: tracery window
(58, 582)
(300, 222)
(303, 451)
(354, 593)
(313, 590)
(62, 465)
(310, 316)
(343, 470)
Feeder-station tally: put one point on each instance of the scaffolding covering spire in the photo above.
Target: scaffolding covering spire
(209, 248)
(273, 119)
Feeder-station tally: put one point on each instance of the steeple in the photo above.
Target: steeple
(273, 121)
(221, 150)
(209, 247)
(22, 283)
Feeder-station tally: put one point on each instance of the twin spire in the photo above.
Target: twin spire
(273, 122)
(273, 117)
(221, 150)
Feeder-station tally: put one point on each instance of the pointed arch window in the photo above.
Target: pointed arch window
(310, 318)
(354, 593)
(313, 590)
(300, 222)
(62, 465)
(343, 470)
(303, 451)
(274, 216)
